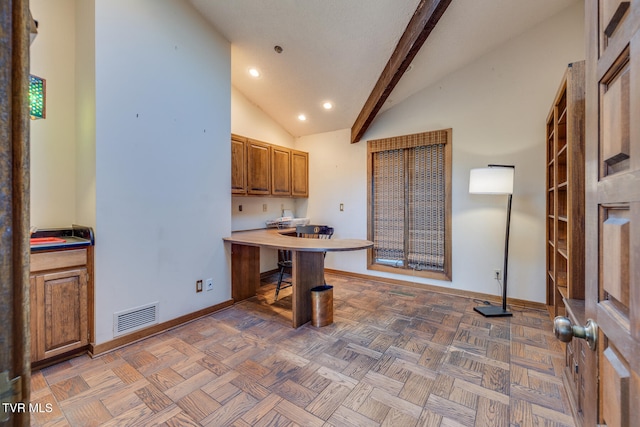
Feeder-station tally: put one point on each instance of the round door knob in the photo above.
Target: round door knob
(565, 331)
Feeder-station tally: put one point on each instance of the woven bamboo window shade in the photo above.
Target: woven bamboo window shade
(410, 202)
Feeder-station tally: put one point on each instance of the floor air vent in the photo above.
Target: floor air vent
(135, 318)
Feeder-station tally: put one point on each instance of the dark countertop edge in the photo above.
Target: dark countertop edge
(78, 236)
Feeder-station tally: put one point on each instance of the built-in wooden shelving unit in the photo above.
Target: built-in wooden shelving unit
(565, 193)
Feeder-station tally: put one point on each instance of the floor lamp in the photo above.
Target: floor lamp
(495, 179)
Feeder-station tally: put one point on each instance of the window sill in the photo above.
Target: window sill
(445, 276)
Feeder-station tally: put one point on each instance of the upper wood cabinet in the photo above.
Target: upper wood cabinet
(299, 173)
(258, 167)
(263, 169)
(280, 171)
(238, 165)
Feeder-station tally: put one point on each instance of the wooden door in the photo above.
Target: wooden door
(14, 210)
(612, 211)
(61, 312)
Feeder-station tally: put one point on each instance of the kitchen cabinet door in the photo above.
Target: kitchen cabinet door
(280, 171)
(299, 173)
(59, 313)
(258, 167)
(238, 165)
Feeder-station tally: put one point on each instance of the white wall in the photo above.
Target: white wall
(497, 107)
(338, 174)
(247, 119)
(162, 159)
(53, 139)
(85, 104)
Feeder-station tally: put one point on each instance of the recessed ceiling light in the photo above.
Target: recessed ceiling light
(327, 105)
(254, 72)
(302, 117)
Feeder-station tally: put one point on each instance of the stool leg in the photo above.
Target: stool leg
(279, 283)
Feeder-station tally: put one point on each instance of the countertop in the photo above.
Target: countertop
(75, 236)
(282, 239)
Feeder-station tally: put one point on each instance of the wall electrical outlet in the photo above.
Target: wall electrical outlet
(264, 207)
(341, 207)
(497, 274)
(199, 286)
(209, 284)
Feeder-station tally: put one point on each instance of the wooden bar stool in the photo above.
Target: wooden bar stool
(284, 256)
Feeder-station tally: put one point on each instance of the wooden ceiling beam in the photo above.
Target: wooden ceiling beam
(424, 20)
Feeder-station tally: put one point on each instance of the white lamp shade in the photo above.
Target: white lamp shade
(496, 180)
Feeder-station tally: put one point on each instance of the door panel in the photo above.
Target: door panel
(615, 396)
(280, 171)
(615, 120)
(611, 15)
(299, 174)
(61, 312)
(258, 167)
(238, 165)
(615, 256)
(612, 210)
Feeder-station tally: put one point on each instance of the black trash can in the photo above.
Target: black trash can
(322, 305)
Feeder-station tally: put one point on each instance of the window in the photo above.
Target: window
(409, 218)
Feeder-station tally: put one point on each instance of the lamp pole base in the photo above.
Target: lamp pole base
(492, 311)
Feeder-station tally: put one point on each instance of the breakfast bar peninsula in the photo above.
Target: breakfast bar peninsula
(308, 264)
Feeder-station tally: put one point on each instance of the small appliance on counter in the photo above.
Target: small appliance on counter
(286, 221)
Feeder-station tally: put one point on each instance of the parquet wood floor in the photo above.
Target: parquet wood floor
(394, 356)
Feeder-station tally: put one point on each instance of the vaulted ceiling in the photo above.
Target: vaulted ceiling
(335, 50)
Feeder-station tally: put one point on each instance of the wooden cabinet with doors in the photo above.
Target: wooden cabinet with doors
(59, 303)
(299, 173)
(565, 192)
(280, 171)
(258, 167)
(262, 169)
(611, 374)
(238, 165)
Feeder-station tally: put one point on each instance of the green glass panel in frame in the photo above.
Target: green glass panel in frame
(36, 97)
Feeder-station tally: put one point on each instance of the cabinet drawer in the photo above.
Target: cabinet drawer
(58, 259)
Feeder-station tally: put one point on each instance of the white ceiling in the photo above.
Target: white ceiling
(335, 50)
